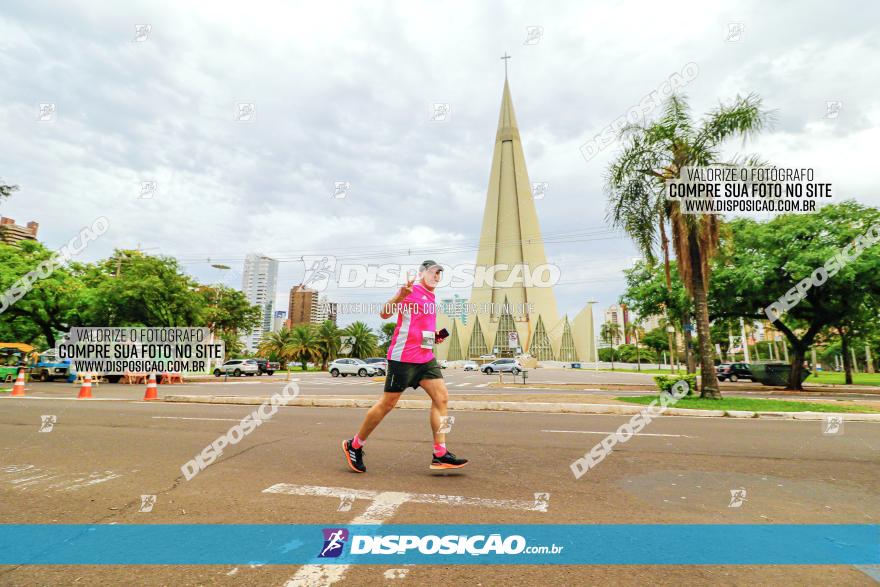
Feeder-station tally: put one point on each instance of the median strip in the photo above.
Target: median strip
(536, 407)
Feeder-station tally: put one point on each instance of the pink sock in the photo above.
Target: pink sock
(439, 449)
(356, 442)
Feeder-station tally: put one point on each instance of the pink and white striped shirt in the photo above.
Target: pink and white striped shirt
(413, 340)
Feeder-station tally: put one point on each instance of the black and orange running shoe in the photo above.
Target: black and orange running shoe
(448, 461)
(354, 456)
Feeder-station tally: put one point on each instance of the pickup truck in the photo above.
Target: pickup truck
(267, 367)
(47, 367)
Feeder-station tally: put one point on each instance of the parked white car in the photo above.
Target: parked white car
(238, 367)
(471, 366)
(352, 367)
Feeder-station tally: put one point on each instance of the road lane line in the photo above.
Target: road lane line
(607, 433)
(382, 507)
(206, 419)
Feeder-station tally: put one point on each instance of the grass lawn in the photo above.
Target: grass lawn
(839, 378)
(752, 405)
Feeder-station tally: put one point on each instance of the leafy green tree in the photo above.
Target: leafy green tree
(656, 341)
(386, 333)
(227, 309)
(365, 340)
(5, 192)
(47, 304)
(134, 289)
(655, 153)
(649, 294)
(760, 262)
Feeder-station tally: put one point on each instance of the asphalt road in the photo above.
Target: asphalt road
(101, 456)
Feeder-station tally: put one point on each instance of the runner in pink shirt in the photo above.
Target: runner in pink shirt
(411, 363)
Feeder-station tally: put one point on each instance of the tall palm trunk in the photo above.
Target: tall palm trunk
(666, 268)
(708, 380)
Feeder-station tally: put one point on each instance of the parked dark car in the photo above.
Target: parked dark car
(733, 372)
(267, 367)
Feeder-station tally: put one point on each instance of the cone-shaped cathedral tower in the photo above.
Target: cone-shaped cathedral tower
(511, 237)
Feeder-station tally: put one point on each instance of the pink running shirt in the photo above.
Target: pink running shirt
(413, 340)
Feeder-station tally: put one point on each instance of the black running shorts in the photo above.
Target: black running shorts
(403, 375)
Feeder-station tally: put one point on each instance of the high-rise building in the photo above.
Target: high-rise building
(279, 320)
(258, 284)
(305, 306)
(300, 305)
(618, 314)
(11, 233)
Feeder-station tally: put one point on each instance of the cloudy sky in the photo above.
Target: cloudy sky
(345, 91)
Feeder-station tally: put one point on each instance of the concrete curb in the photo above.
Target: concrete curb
(740, 414)
(541, 407)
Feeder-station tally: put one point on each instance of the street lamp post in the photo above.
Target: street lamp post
(220, 267)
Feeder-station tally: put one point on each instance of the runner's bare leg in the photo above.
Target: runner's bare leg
(436, 390)
(381, 409)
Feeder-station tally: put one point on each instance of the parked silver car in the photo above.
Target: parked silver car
(352, 367)
(502, 366)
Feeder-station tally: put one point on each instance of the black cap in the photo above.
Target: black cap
(428, 264)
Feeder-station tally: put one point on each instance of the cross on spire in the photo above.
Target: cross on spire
(505, 57)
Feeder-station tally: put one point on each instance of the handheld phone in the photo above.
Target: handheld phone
(443, 333)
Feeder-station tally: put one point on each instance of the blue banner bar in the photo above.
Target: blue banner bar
(588, 544)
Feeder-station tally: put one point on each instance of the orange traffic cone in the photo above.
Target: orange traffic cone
(85, 392)
(151, 388)
(18, 387)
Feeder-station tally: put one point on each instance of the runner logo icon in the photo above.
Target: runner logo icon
(334, 541)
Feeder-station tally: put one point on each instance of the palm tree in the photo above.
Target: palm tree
(634, 330)
(278, 344)
(609, 332)
(328, 338)
(365, 341)
(304, 345)
(656, 153)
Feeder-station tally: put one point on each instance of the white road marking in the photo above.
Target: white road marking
(462, 384)
(383, 505)
(206, 419)
(483, 385)
(607, 433)
(396, 573)
(36, 476)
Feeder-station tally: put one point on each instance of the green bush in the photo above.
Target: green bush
(665, 382)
